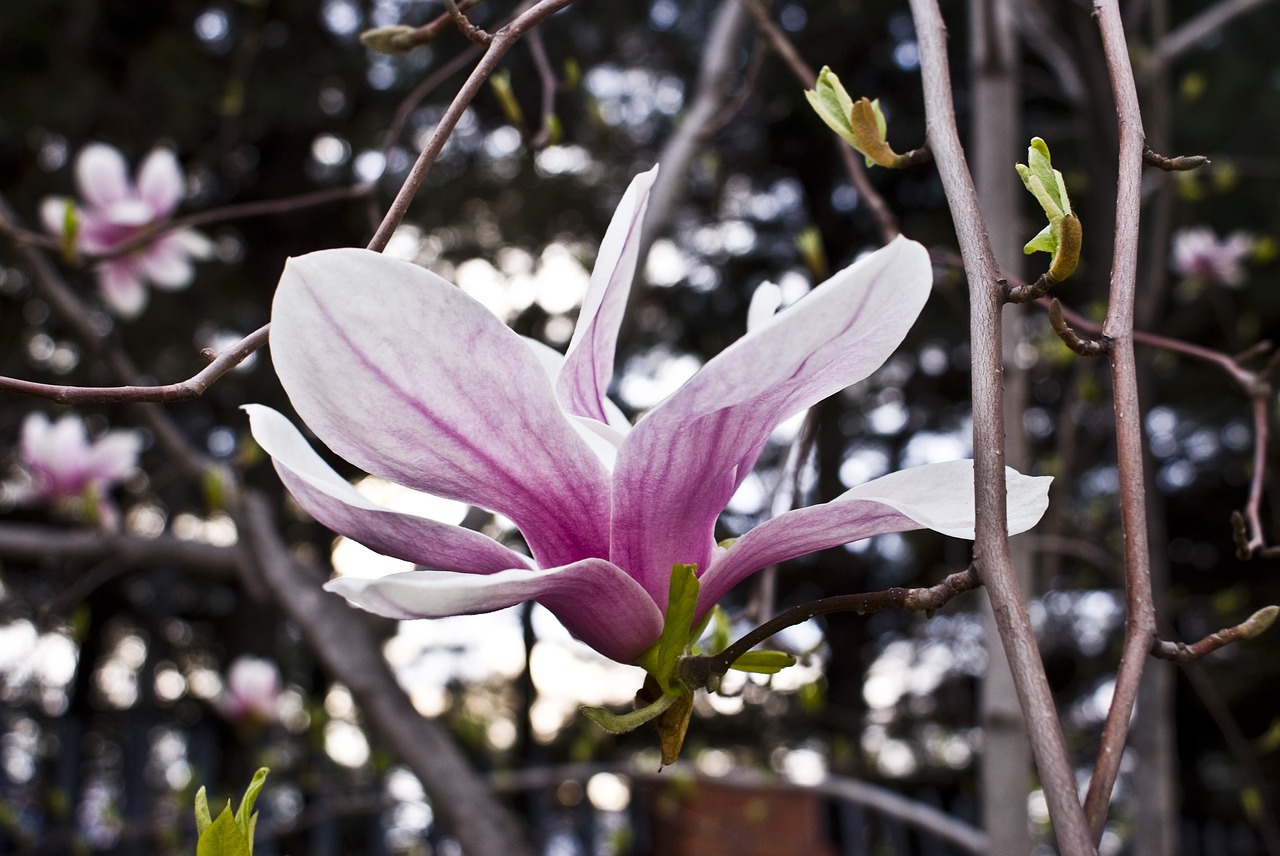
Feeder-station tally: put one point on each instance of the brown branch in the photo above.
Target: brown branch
(1180, 163)
(1140, 619)
(463, 23)
(192, 387)
(696, 672)
(503, 40)
(547, 79)
(991, 545)
(1083, 347)
(880, 210)
(1183, 652)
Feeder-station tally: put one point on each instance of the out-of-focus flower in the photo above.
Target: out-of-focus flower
(60, 467)
(406, 376)
(115, 210)
(1199, 256)
(252, 691)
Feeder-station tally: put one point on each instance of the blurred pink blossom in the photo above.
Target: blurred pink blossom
(62, 468)
(252, 691)
(116, 210)
(1198, 255)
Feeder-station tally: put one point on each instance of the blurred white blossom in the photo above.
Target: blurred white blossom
(252, 691)
(115, 210)
(61, 468)
(1200, 256)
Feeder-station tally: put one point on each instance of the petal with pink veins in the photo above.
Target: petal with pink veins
(593, 598)
(685, 457)
(408, 378)
(330, 499)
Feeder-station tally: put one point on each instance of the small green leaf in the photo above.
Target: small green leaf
(763, 662)
(832, 104)
(70, 231)
(616, 723)
(682, 603)
(246, 805)
(223, 838)
(501, 83)
(203, 818)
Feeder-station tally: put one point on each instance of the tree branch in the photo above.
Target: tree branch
(991, 546)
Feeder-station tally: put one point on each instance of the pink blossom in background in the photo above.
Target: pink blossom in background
(407, 377)
(252, 691)
(1198, 255)
(62, 468)
(115, 210)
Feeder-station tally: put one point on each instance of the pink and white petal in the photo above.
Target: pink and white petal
(160, 182)
(584, 381)
(167, 264)
(332, 500)
(685, 457)
(593, 598)
(934, 496)
(197, 244)
(122, 286)
(408, 378)
(130, 213)
(102, 175)
(114, 456)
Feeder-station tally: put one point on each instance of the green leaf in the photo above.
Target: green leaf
(616, 723)
(223, 838)
(1046, 184)
(246, 805)
(682, 602)
(832, 104)
(203, 818)
(763, 662)
(501, 83)
(1045, 242)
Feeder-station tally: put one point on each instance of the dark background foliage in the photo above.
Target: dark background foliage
(272, 98)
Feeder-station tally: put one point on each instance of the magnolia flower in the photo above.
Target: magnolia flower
(62, 468)
(1198, 255)
(407, 377)
(116, 211)
(252, 691)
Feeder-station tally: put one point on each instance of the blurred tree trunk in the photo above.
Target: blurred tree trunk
(995, 142)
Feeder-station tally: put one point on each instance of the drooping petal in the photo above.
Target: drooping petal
(408, 378)
(102, 175)
(330, 499)
(934, 496)
(684, 458)
(594, 599)
(122, 286)
(160, 182)
(588, 368)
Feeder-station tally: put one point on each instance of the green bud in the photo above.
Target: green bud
(833, 105)
(501, 83)
(616, 723)
(763, 662)
(396, 39)
(70, 231)
(1258, 623)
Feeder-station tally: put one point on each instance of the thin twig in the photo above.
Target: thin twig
(991, 544)
(547, 78)
(1184, 652)
(1069, 337)
(503, 41)
(463, 23)
(1179, 163)
(695, 671)
(853, 165)
(1184, 37)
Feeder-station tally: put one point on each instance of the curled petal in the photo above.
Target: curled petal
(160, 182)
(588, 369)
(330, 499)
(407, 377)
(934, 496)
(683, 460)
(102, 175)
(594, 599)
